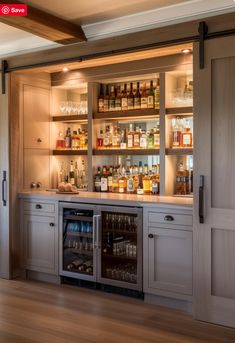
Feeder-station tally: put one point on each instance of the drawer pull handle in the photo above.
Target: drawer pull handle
(39, 140)
(52, 224)
(169, 218)
(38, 206)
(150, 235)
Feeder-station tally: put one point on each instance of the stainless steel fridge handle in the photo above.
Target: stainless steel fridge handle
(201, 200)
(4, 188)
(98, 216)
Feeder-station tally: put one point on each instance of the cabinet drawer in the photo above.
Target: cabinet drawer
(170, 218)
(38, 206)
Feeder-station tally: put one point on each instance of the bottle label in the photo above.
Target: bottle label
(137, 103)
(104, 184)
(143, 142)
(123, 146)
(121, 186)
(97, 186)
(67, 142)
(114, 141)
(146, 185)
(129, 141)
(136, 140)
(130, 185)
(101, 105)
(112, 104)
(150, 101)
(118, 104)
(110, 181)
(124, 103)
(140, 191)
(106, 105)
(156, 139)
(144, 102)
(186, 139)
(106, 141)
(130, 103)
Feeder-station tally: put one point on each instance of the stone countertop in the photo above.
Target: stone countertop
(110, 198)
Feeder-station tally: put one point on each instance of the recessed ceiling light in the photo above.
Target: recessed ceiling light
(65, 69)
(187, 51)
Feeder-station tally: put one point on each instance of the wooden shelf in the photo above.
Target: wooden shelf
(179, 110)
(70, 118)
(180, 151)
(69, 152)
(126, 152)
(148, 112)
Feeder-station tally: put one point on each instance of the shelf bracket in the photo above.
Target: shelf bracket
(4, 71)
(203, 30)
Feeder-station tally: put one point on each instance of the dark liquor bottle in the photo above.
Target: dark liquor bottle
(101, 99)
(71, 174)
(68, 139)
(124, 104)
(151, 96)
(118, 100)
(106, 100)
(137, 98)
(98, 180)
(130, 98)
(144, 97)
(157, 94)
(104, 180)
(112, 99)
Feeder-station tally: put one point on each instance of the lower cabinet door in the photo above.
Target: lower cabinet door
(170, 260)
(40, 243)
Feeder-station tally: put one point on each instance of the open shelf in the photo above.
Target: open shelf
(180, 151)
(69, 152)
(126, 152)
(179, 110)
(70, 118)
(148, 112)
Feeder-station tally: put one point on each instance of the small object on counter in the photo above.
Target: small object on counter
(67, 188)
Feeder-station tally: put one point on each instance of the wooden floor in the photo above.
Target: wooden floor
(36, 312)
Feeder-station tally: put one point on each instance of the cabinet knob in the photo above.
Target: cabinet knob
(52, 224)
(150, 235)
(39, 140)
(38, 206)
(169, 218)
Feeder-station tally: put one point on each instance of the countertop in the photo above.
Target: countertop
(110, 198)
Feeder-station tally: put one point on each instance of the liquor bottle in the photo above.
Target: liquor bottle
(60, 142)
(107, 137)
(157, 94)
(106, 100)
(176, 133)
(151, 96)
(82, 139)
(182, 180)
(136, 177)
(144, 97)
(137, 97)
(112, 99)
(71, 174)
(187, 137)
(108, 246)
(136, 139)
(62, 173)
(98, 180)
(124, 99)
(155, 179)
(100, 140)
(104, 180)
(86, 140)
(75, 141)
(68, 139)
(118, 100)
(101, 99)
(122, 182)
(75, 264)
(130, 186)
(88, 266)
(130, 98)
(76, 175)
(115, 138)
(110, 178)
(156, 136)
(140, 189)
(130, 138)
(146, 184)
(115, 179)
(123, 139)
(143, 140)
(150, 139)
(84, 179)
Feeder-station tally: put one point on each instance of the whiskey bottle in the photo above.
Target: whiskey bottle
(187, 137)
(130, 138)
(101, 99)
(176, 133)
(71, 174)
(68, 141)
(136, 139)
(144, 97)
(157, 95)
(107, 137)
(146, 184)
(122, 182)
(100, 140)
(115, 179)
(124, 104)
(182, 180)
(151, 96)
(156, 136)
(130, 184)
(115, 138)
(150, 139)
(110, 178)
(143, 140)
(137, 97)
(104, 180)
(98, 180)
(106, 100)
(112, 99)
(118, 100)
(123, 139)
(130, 98)
(75, 141)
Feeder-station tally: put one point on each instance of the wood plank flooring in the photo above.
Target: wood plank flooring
(37, 312)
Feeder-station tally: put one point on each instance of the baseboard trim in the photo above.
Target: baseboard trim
(176, 304)
(38, 276)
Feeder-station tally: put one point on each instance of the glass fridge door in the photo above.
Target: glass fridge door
(121, 248)
(78, 258)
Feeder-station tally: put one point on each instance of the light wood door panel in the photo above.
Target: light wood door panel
(170, 260)
(214, 248)
(40, 243)
(36, 108)
(36, 167)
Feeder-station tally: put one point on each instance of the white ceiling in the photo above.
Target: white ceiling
(105, 18)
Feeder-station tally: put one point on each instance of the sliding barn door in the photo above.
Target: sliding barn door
(4, 186)
(214, 206)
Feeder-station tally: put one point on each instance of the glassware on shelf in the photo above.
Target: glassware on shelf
(72, 107)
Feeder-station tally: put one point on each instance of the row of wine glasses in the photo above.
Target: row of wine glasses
(71, 107)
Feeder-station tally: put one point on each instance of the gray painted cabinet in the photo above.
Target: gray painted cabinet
(39, 227)
(168, 252)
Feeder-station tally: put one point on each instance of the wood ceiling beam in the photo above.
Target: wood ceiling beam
(45, 25)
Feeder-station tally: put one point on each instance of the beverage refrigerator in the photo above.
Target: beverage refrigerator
(101, 244)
